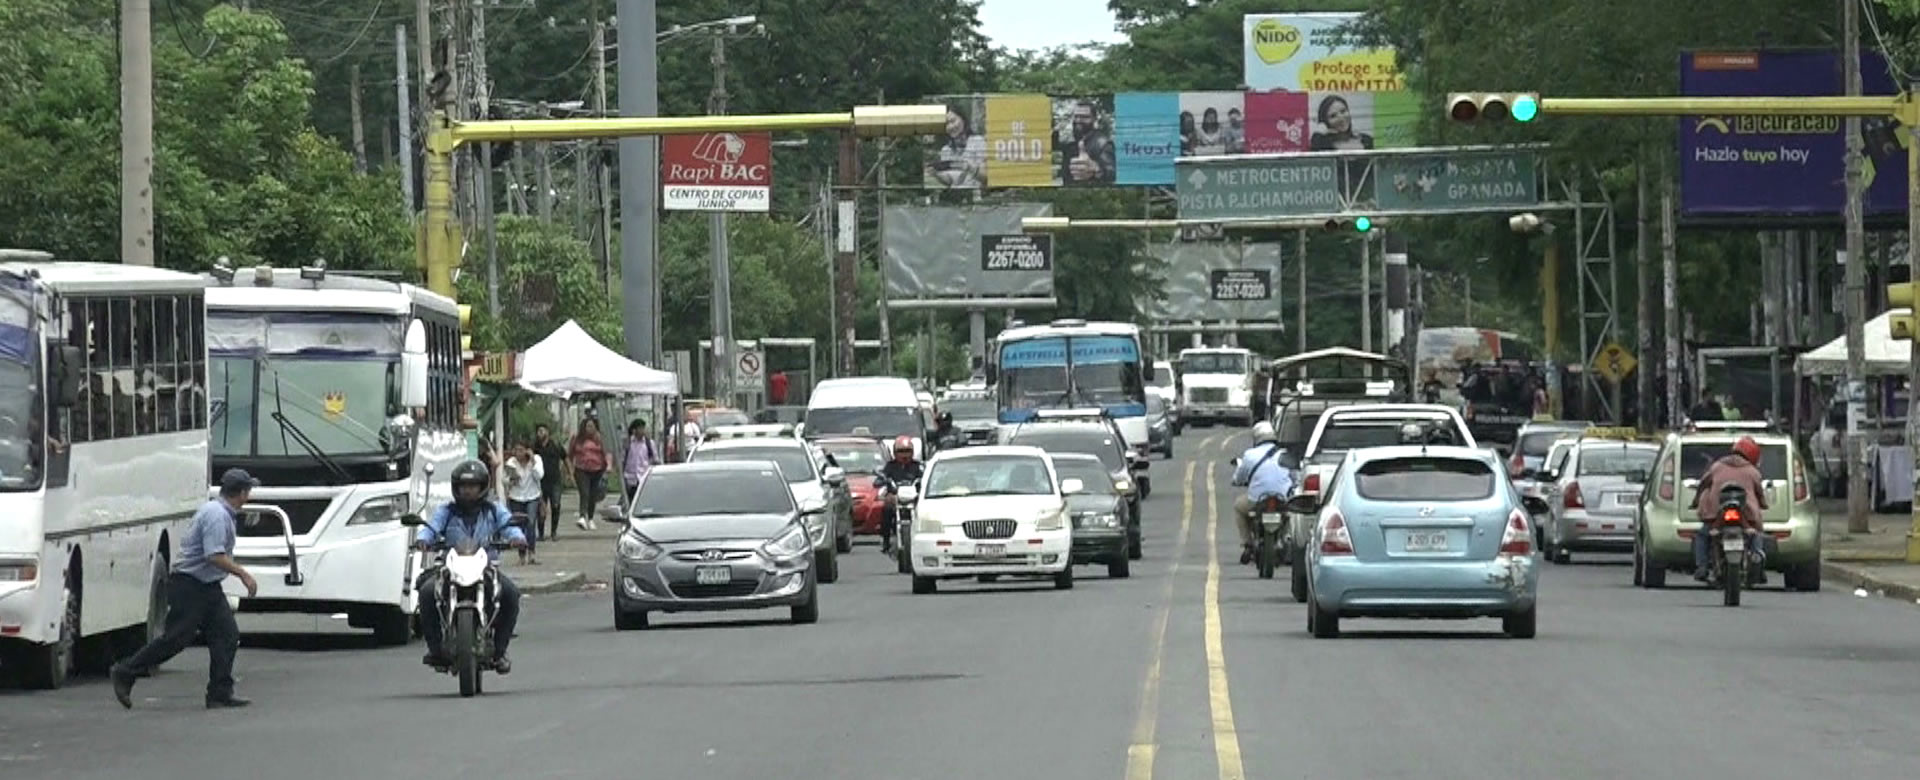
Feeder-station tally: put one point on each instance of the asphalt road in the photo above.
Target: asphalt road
(1191, 669)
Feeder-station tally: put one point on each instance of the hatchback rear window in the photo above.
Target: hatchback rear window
(1536, 444)
(1695, 458)
(1425, 479)
(1360, 433)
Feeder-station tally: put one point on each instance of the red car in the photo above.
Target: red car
(861, 459)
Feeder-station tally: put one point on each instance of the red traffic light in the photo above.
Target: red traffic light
(1462, 108)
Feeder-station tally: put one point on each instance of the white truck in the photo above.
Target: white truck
(1216, 385)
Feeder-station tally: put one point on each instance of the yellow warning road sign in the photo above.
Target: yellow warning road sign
(1614, 362)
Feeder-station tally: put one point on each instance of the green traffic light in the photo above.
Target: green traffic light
(1363, 224)
(1525, 108)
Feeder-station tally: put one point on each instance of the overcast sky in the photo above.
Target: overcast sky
(1039, 24)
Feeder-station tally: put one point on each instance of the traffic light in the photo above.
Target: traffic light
(1902, 296)
(1493, 106)
(1355, 224)
(466, 330)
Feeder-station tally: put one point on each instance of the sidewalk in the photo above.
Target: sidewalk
(577, 560)
(1873, 562)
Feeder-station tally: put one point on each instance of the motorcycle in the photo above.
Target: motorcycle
(468, 583)
(1730, 562)
(902, 525)
(1273, 535)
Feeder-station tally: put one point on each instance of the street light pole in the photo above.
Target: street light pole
(717, 241)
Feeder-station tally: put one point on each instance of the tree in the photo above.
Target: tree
(546, 278)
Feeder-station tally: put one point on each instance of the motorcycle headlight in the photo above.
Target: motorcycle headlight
(791, 543)
(380, 509)
(636, 549)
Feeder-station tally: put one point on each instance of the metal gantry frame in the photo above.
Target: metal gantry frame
(1595, 247)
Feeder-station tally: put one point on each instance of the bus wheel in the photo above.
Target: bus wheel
(48, 666)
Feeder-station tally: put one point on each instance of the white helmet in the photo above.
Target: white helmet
(1263, 431)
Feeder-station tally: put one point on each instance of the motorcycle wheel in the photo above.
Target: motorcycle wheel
(1265, 555)
(1732, 577)
(466, 661)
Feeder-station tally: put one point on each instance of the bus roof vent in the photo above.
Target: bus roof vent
(1069, 322)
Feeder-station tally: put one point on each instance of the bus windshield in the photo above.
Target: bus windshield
(21, 428)
(1214, 363)
(334, 378)
(1105, 372)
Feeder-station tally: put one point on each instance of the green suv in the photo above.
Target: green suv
(1666, 519)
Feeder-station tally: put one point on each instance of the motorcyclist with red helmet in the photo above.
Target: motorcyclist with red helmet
(1740, 467)
(900, 472)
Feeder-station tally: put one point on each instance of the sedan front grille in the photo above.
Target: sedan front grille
(989, 529)
(735, 589)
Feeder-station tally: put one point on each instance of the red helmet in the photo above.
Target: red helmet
(903, 443)
(1747, 448)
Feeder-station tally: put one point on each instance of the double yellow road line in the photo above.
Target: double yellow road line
(1226, 737)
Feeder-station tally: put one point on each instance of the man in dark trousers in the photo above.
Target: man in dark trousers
(195, 601)
(553, 462)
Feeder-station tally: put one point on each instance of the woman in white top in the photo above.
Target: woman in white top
(523, 493)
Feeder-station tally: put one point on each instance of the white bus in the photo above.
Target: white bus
(103, 455)
(339, 393)
(1072, 364)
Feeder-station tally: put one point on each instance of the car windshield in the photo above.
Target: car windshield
(1342, 435)
(1695, 458)
(1012, 475)
(678, 492)
(1425, 479)
(856, 457)
(1214, 363)
(1099, 444)
(1536, 444)
(1615, 460)
(714, 418)
(876, 421)
(1094, 476)
(1156, 406)
(20, 453)
(792, 461)
(968, 408)
(1162, 376)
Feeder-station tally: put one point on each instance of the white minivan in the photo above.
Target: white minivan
(875, 407)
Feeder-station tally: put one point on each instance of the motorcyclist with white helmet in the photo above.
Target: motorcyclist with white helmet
(469, 516)
(1263, 474)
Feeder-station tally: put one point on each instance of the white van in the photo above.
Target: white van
(876, 407)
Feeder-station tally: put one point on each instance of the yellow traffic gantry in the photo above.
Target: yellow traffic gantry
(439, 244)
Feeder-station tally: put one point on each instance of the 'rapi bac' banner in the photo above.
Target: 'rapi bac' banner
(1734, 167)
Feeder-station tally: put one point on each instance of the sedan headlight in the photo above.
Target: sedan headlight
(1052, 521)
(791, 543)
(636, 549)
(1097, 520)
(816, 525)
(929, 525)
(1122, 485)
(380, 509)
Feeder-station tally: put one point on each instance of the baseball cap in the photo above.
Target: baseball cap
(236, 480)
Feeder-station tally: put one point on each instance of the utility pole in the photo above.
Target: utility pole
(1300, 294)
(136, 132)
(1670, 299)
(423, 40)
(722, 302)
(603, 193)
(1643, 285)
(846, 254)
(483, 193)
(1859, 505)
(1366, 296)
(640, 182)
(353, 111)
(405, 119)
(825, 196)
(543, 179)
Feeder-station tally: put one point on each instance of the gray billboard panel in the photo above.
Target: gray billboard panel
(1219, 281)
(942, 252)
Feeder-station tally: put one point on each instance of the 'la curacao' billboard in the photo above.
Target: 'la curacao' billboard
(1783, 168)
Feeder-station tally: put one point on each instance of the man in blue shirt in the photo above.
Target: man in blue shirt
(195, 601)
(1262, 473)
(469, 516)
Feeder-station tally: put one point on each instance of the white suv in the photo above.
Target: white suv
(991, 511)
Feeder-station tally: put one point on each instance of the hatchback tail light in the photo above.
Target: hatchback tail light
(1334, 539)
(1799, 481)
(1517, 466)
(1312, 485)
(1572, 498)
(1518, 539)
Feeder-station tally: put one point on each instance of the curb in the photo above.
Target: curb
(1862, 577)
(565, 584)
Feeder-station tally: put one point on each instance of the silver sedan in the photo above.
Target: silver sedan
(723, 535)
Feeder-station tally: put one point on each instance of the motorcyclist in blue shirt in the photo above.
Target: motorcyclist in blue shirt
(1263, 473)
(469, 516)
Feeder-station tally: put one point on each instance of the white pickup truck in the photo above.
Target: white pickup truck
(1346, 428)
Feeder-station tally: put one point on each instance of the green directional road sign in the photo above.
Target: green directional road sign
(1415, 182)
(1259, 189)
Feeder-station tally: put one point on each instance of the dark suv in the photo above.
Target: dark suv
(1097, 437)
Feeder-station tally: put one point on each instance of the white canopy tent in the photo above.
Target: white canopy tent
(1884, 355)
(570, 361)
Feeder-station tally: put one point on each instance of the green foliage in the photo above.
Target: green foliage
(546, 278)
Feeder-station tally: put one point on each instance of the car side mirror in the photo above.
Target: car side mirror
(67, 374)
(813, 507)
(1303, 504)
(411, 520)
(413, 367)
(1234, 462)
(907, 494)
(835, 475)
(1072, 485)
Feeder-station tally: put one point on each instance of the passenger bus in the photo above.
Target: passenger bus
(1072, 364)
(342, 395)
(103, 455)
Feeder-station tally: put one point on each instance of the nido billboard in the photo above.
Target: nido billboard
(717, 172)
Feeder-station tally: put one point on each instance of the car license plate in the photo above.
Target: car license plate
(990, 550)
(1623, 499)
(1734, 543)
(1272, 519)
(1426, 541)
(712, 575)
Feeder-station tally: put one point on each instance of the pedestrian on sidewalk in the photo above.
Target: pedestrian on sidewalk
(589, 453)
(196, 603)
(553, 466)
(777, 388)
(637, 458)
(524, 496)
